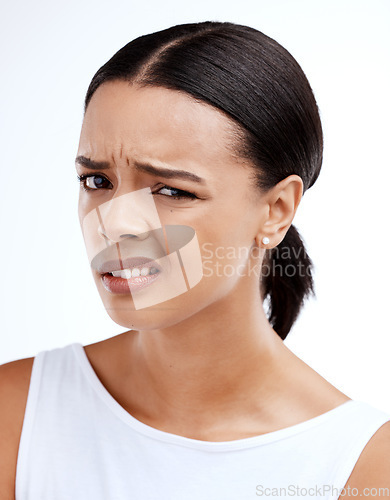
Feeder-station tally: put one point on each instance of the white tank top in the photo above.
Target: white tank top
(78, 442)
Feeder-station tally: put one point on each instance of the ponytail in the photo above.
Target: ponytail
(286, 281)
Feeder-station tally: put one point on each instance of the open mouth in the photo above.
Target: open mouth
(134, 272)
(141, 273)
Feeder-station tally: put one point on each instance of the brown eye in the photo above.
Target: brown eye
(174, 193)
(93, 182)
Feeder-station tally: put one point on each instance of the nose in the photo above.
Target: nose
(132, 215)
(140, 236)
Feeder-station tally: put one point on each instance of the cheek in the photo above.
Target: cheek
(84, 206)
(228, 251)
(230, 226)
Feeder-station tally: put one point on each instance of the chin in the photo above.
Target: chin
(121, 309)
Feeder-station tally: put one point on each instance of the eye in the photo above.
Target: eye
(92, 182)
(174, 193)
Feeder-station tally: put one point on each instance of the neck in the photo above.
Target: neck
(216, 361)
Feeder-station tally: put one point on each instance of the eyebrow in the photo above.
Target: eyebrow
(167, 173)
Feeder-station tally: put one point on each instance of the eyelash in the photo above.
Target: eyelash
(183, 194)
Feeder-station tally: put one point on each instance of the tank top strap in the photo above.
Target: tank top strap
(53, 371)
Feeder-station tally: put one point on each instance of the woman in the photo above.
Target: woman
(197, 145)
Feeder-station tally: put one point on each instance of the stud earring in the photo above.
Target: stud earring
(265, 240)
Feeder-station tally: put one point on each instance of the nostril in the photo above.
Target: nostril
(128, 236)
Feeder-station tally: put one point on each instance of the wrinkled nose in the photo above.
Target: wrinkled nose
(131, 215)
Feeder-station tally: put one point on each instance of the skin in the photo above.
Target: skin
(218, 329)
(211, 351)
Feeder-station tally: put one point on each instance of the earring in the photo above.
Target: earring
(265, 240)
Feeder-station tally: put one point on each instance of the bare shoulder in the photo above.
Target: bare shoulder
(372, 470)
(14, 386)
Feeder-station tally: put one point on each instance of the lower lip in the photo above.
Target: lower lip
(122, 285)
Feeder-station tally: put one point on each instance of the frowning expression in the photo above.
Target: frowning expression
(151, 158)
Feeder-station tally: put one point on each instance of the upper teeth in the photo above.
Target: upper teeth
(132, 273)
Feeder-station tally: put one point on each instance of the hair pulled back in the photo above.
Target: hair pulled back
(258, 84)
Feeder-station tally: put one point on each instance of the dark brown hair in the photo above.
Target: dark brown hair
(258, 84)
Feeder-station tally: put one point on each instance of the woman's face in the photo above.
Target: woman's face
(169, 201)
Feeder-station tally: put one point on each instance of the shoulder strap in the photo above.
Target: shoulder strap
(29, 415)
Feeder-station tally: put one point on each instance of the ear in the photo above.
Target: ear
(281, 202)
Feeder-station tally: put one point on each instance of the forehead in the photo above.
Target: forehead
(154, 122)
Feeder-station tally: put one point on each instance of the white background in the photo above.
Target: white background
(49, 53)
